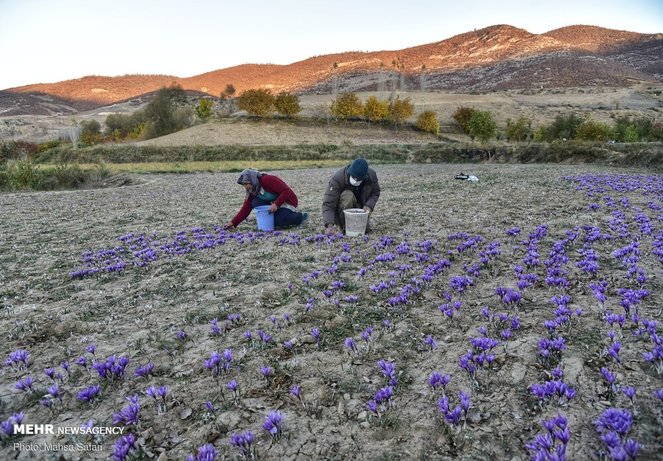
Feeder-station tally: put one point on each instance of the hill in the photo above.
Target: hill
(495, 58)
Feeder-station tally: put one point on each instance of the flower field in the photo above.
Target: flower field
(517, 317)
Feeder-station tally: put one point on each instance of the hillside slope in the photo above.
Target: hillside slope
(494, 58)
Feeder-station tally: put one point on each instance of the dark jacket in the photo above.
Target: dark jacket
(369, 193)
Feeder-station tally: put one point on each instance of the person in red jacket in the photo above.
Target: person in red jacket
(267, 189)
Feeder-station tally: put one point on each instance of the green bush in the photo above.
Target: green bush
(591, 130)
(462, 116)
(482, 126)
(204, 109)
(520, 130)
(563, 127)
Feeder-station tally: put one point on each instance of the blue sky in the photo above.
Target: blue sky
(46, 41)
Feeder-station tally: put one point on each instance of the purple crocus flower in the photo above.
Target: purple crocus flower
(438, 380)
(350, 345)
(25, 384)
(244, 443)
(232, 386)
(296, 392)
(274, 424)
(143, 371)
(123, 446)
(207, 452)
(89, 393)
(315, 333)
(266, 371)
(430, 341)
(464, 401)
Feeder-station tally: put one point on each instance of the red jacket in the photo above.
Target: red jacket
(271, 184)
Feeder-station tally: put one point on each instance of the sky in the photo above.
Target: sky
(45, 41)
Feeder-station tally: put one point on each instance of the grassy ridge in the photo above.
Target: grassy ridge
(233, 158)
(227, 166)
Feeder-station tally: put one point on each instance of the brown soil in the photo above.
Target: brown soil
(139, 312)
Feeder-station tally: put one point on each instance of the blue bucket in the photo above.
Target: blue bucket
(264, 217)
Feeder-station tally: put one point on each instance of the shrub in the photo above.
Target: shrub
(462, 116)
(90, 133)
(258, 102)
(18, 150)
(287, 104)
(627, 129)
(482, 126)
(520, 130)
(427, 121)
(347, 105)
(563, 127)
(400, 110)
(591, 130)
(204, 109)
(376, 110)
(159, 114)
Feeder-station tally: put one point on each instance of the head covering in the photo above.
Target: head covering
(250, 176)
(358, 169)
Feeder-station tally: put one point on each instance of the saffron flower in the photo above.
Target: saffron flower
(274, 424)
(143, 371)
(207, 452)
(25, 384)
(89, 393)
(244, 442)
(430, 341)
(123, 447)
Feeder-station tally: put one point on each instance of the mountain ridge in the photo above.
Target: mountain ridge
(497, 57)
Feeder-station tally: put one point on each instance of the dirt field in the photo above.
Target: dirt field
(427, 281)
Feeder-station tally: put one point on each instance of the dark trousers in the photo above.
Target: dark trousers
(283, 217)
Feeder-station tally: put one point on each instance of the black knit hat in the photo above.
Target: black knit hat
(358, 169)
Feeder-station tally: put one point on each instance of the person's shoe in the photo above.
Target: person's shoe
(304, 220)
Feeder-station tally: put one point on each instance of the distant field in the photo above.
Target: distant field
(224, 166)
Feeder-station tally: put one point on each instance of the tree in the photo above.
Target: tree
(204, 109)
(462, 117)
(287, 104)
(347, 105)
(376, 110)
(229, 92)
(520, 130)
(258, 102)
(400, 110)
(160, 112)
(427, 121)
(482, 126)
(563, 127)
(90, 133)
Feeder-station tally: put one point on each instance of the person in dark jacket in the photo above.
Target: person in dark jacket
(267, 189)
(353, 186)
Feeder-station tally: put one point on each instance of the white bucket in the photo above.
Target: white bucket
(356, 220)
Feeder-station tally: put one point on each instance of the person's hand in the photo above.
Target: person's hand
(330, 229)
(368, 209)
(228, 225)
(273, 207)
